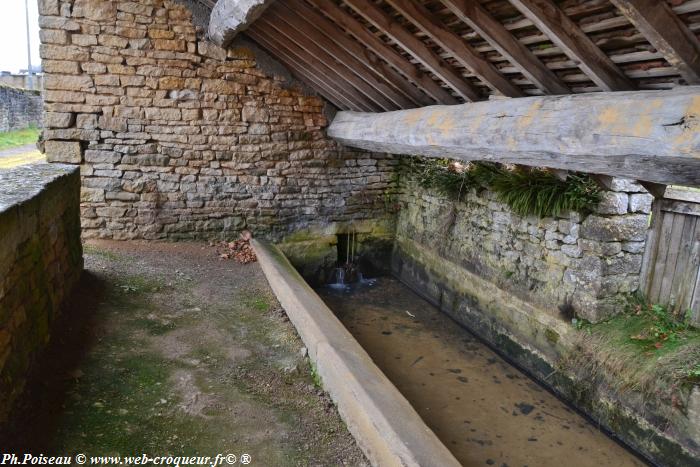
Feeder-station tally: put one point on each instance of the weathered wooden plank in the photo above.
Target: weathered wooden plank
(229, 17)
(667, 33)
(552, 21)
(415, 47)
(680, 289)
(695, 287)
(672, 257)
(681, 207)
(455, 46)
(351, 96)
(659, 265)
(651, 249)
(645, 135)
(334, 57)
(473, 14)
(395, 59)
(361, 69)
(361, 53)
(345, 80)
(303, 74)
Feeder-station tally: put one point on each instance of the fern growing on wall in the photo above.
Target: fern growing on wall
(528, 191)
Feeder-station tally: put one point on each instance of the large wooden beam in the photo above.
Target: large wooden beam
(411, 44)
(229, 17)
(551, 20)
(355, 28)
(645, 135)
(457, 47)
(667, 33)
(492, 31)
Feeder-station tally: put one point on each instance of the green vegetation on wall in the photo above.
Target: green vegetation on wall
(528, 191)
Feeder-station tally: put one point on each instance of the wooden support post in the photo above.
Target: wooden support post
(644, 135)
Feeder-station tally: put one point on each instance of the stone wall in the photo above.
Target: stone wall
(22, 81)
(19, 108)
(572, 265)
(178, 138)
(40, 262)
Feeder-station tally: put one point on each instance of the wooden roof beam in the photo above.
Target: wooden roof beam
(667, 33)
(303, 74)
(360, 53)
(354, 98)
(229, 17)
(457, 47)
(340, 72)
(384, 51)
(476, 17)
(566, 34)
(415, 47)
(644, 135)
(302, 24)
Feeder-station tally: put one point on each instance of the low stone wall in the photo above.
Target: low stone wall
(178, 138)
(516, 282)
(576, 265)
(19, 108)
(40, 262)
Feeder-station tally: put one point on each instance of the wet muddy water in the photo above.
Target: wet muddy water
(485, 410)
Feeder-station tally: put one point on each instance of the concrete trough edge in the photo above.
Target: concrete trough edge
(387, 428)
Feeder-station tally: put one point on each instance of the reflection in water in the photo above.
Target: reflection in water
(483, 409)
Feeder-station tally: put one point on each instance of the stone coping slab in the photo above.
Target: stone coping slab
(387, 428)
(23, 183)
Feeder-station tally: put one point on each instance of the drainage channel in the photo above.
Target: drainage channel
(482, 408)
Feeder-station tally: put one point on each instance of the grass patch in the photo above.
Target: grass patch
(647, 350)
(527, 191)
(17, 138)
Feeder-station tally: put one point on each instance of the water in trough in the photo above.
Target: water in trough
(486, 411)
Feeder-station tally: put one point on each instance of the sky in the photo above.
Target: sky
(13, 35)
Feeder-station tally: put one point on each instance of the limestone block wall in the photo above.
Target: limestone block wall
(40, 262)
(177, 138)
(19, 108)
(572, 265)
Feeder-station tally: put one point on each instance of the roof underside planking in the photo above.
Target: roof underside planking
(379, 55)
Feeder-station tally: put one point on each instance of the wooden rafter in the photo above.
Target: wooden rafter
(341, 73)
(301, 73)
(415, 47)
(455, 46)
(316, 67)
(353, 47)
(667, 33)
(361, 69)
(566, 34)
(373, 43)
(473, 14)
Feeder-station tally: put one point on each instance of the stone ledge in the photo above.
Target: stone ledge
(20, 184)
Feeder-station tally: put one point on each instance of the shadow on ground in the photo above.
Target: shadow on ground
(165, 349)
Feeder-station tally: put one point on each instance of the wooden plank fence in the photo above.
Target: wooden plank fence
(671, 268)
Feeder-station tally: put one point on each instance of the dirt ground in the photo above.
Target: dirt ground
(166, 349)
